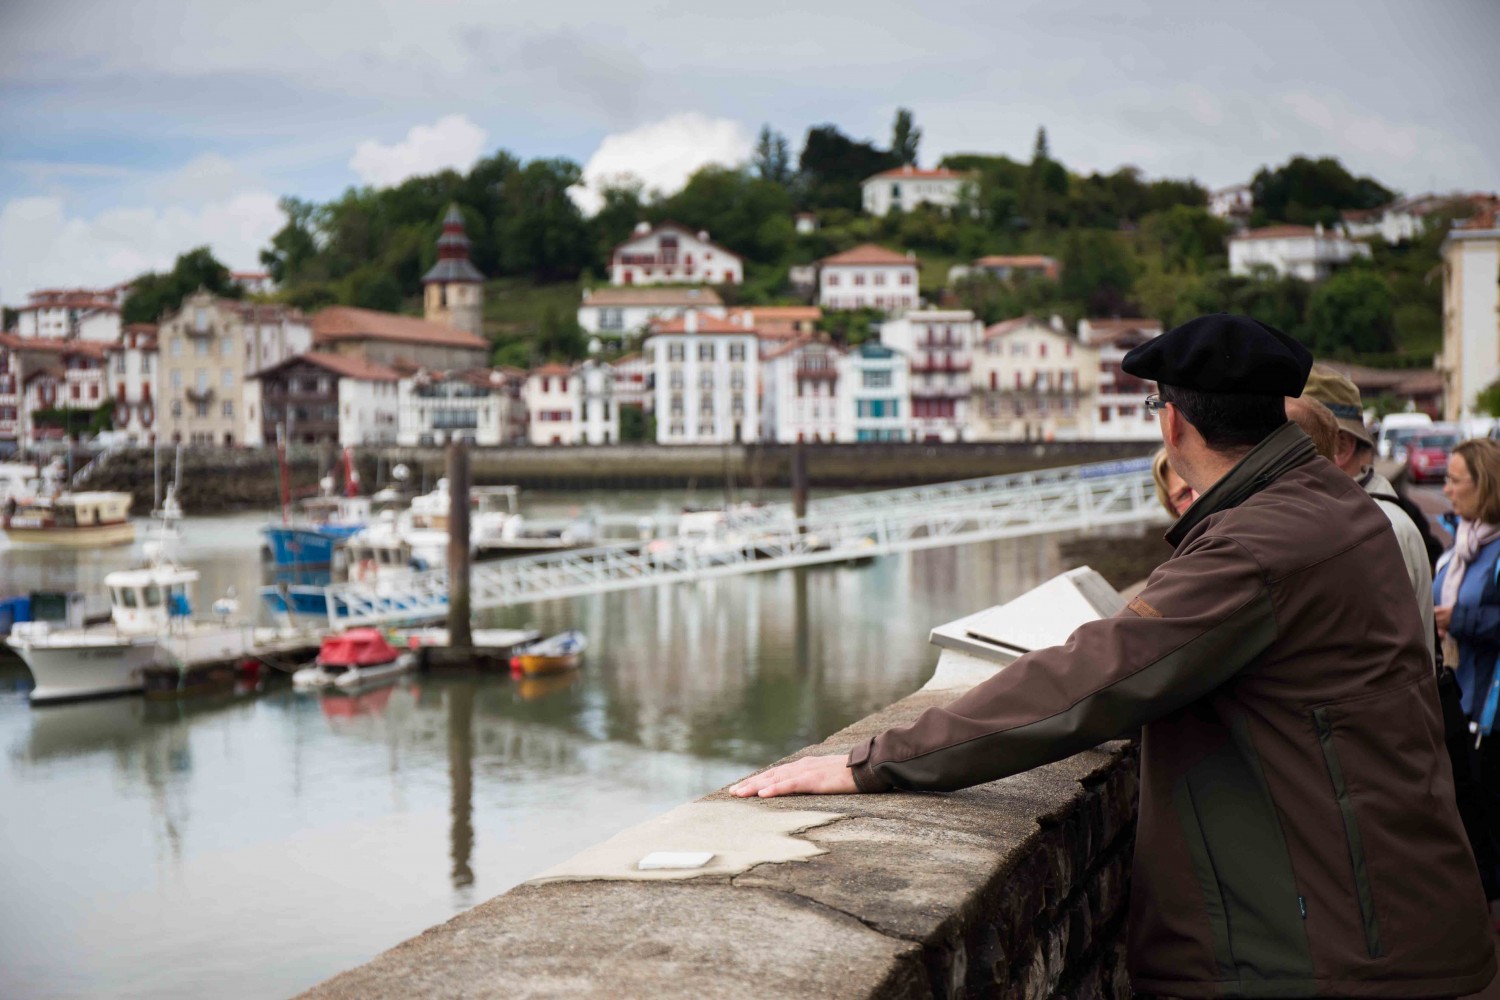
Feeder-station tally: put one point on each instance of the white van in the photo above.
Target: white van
(1395, 428)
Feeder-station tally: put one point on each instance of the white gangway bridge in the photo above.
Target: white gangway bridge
(762, 539)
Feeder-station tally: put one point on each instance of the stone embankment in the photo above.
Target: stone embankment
(1016, 888)
(220, 479)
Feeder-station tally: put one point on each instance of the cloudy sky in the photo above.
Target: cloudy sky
(131, 130)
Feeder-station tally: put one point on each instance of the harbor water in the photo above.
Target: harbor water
(254, 844)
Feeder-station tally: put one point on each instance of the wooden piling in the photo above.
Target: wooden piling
(460, 634)
(799, 481)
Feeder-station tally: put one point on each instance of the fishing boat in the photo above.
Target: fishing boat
(88, 520)
(310, 538)
(563, 651)
(150, 632)
(357, 658)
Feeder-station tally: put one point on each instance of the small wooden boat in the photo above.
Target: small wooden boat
(352, 659)
(563, 651)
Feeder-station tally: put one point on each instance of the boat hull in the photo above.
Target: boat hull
(534, 666)
(305, 548)
(353, 678)
(93, 670)
(86, 537)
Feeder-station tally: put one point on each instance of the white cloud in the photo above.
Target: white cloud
(451, 141)
(662, 155)
(42, 245)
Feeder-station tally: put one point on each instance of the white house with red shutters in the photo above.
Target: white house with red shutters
(800, 398)
(132, 374)
(1120, 412)
(940, 345)
(907, 187)
(704, 379)
(46, 373)
(1307, 252)
(869, 276)
(67, 313)
(670, 254)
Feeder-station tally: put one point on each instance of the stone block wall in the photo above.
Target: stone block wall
(1016, 888)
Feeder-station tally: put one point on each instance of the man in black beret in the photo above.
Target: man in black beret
(1297, 834)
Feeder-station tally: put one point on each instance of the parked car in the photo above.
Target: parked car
(1395, 428)
(1427, 454)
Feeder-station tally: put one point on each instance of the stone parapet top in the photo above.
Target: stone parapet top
(1015, 887)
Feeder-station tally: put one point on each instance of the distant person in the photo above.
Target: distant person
(1172, 491)
(1297, 834)
(1317, 423)
(1467, 613)
(1354, 450)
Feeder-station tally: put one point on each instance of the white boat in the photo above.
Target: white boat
(357, 658)
(150, 629)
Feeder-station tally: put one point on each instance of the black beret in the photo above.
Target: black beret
(1223, 353)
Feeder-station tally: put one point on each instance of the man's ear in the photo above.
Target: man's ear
(1171, 425)
(1347, 446)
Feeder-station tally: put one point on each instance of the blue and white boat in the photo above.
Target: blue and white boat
(312, 541)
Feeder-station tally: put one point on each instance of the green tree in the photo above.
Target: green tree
(905, 137)
(541, 231)
(1184, 238)
(734, 207)
(153, 294)
(1045, 189)
(1098, 271)
(1488, 400)
(1351, 312)
(560, 338)
(294, 249)
(1305, 191)
(832, 165)
(773, 158)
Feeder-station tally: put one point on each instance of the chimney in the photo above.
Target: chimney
(642, 228)
(690, 321)
(703, 235)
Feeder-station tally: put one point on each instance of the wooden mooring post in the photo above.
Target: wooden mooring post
(799, 482)
(460, 634)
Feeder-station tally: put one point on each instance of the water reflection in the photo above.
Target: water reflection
(169, 849)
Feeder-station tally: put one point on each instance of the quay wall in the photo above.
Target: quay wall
(1016, 888)
(220, 479)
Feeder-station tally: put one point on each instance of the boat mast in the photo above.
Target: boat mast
(281, 474)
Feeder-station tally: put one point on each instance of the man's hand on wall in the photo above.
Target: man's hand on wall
(828, 775)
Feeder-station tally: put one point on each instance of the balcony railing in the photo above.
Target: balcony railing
(826, 372)
(200, 395)
(940, 367)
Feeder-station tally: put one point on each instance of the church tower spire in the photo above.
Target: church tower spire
(453, 291)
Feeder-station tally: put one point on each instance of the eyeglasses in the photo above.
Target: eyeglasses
(1154, 402)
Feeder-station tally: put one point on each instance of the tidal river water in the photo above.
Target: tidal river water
(251, 846)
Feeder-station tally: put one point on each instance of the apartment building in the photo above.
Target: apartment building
(704, 377)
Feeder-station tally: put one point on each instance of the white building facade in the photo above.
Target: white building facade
(801, 393)
(482, 407)
(940, 345)
(554, 401)
(907, 187)
(1033, 381)
(72, 313)
(1233, 202)
(1307, 252)
(670, 254)
(875, 403)
(1120, 413)
(616, 313)
(1470, 361)
(132, 370)
(705, 381)
(869, 276)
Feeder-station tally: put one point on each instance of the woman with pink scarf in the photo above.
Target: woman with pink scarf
(1466, 610)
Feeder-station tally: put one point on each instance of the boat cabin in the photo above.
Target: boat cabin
(383, 555)
(147, 600)
(337, 510)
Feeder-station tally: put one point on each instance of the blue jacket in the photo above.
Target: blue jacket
(1475, 625)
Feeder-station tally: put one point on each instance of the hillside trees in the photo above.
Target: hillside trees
(153, 294)
(1306, 191)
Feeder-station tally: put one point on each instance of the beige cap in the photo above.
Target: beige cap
(1341, 396)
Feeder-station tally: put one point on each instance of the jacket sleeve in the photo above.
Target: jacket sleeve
(1204, 615)
(1475, 622)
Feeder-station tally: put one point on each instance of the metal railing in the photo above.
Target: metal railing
(837, 530)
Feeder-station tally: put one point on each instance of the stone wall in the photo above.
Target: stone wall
(1016, 888)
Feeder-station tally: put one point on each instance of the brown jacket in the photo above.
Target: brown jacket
(1297, 834)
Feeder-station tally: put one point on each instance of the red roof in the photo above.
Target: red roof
(54, 345)
(912, 173)
(69, 300)
(678, 227)
(869, 254)
(349, 323)
(342, 365)
(706, 324)
(552, 369)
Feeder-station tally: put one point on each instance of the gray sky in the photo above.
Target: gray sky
(132, 131)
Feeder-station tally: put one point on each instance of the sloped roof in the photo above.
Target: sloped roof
(1275, 233)
(658, 295)
(675, 227)
(910, 172)
(345, 366)
(54, 345)
(350, 323)
(706, 324)
(869, 254)
(1020, 260)
(453, 269)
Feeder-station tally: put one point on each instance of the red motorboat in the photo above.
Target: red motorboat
(354, 658)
